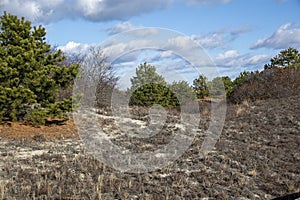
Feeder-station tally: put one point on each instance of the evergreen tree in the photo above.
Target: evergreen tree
(288, 58)
(216, 87)
(183, 91)
(149, 88)
(220, 86)
(228, 84)
(241, 78)
(200, 87)
(31, 75)
(150, 94)
(146, 74)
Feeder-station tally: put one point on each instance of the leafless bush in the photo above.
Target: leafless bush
(270, 83)
(97, 78)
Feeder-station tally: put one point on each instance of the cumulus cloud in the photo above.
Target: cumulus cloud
(211, 40)
(93, 10)
(46, 11)
(286, 36)
(163, 55)
(231, 63)
(123, 51)
(220, 38)
(121, 27)
(75, 48)
(35, 10)
(186, 47)
(228, 54)
(233, 59)
(150, 38)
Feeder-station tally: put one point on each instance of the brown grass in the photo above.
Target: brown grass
(257, 157)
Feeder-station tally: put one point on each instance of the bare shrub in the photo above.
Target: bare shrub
(270, 83)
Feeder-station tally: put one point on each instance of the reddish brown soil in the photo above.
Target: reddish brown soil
(19, 130)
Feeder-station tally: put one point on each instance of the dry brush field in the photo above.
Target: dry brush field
(256, 157)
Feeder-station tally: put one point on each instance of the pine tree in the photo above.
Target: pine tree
(149, 88)
(200, 87)
(288, 58)
(31, 75)
(183, 91)
(146, 74)
(217, 86)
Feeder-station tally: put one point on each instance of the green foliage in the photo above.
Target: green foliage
(31, 75)
(241, 78)
(288, 58)
(200, 87)
(228, 85)
(219, 86)
(216, 87)
(146, 74)
(150, 94)
(149, 88)
(183, 91)
(36, 117)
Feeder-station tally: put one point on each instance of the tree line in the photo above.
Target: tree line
(36, 79)
(180, 92)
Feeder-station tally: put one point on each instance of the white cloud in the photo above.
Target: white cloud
(211, 40)
(46, 11)
(127, 26)
(220, 38)
(186, 47)
(286, 36)
(258, 60)
(167, 54)
(74, 48)
(124, 52)
(129, 53)
(232, 59)
(34, 10)
(121, 27)
(231, 63)
(227, 54)
(150, 38)
(122, 49)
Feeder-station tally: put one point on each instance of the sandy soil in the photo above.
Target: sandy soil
(257, 157)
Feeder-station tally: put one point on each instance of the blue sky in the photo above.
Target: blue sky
(238, 35)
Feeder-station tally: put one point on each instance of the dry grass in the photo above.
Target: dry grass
(2, 190)
(252, 160)
(242, 108)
